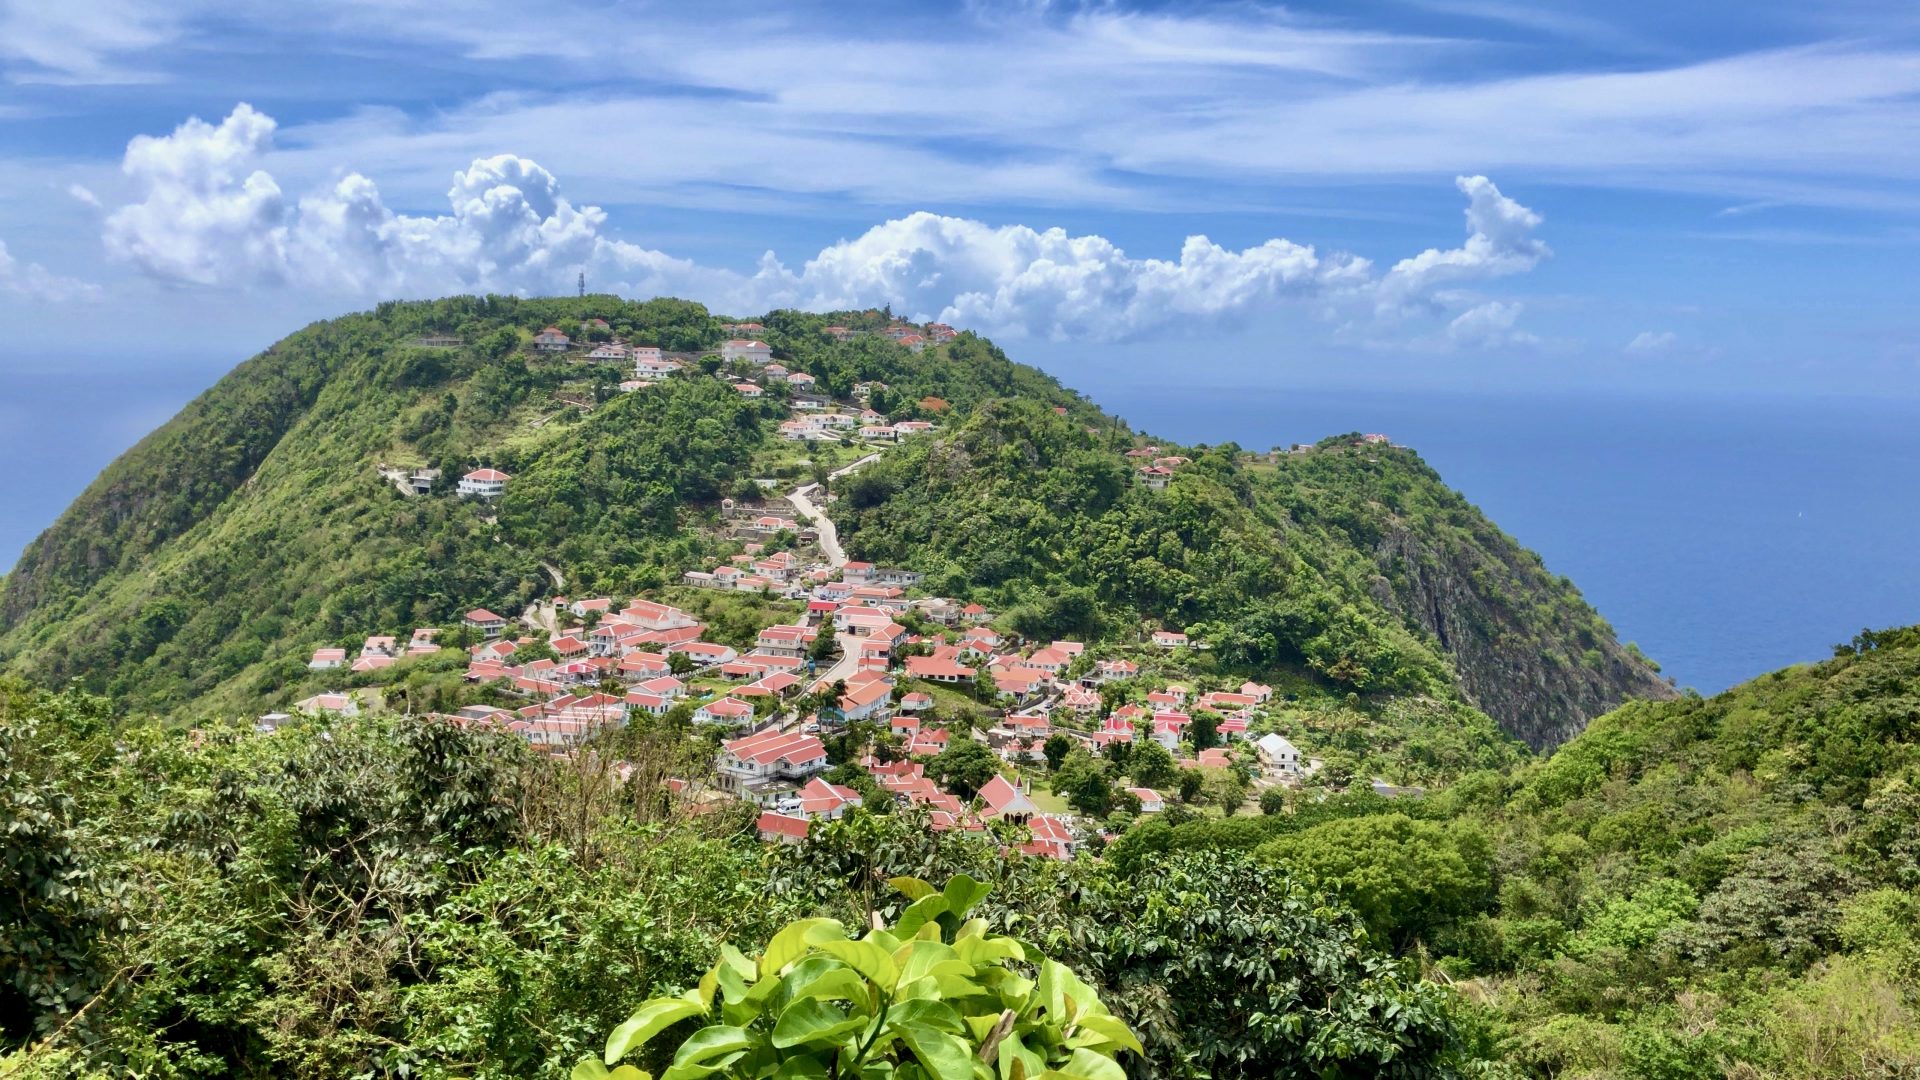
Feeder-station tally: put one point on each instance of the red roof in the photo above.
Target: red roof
(783, 825)
(487, 474)
(482, 615)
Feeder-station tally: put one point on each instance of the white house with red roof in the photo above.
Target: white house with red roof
(726, 710)
(1051, 839)
(938, 669)
(819, 799)
(749, 390)
(1002, 800)
(769, 755)
(484, 621)
(752, 350)
(483, 484)
(1151, 801)
(869, 699)
(327, 659)
(1169, 639)
(552, 339)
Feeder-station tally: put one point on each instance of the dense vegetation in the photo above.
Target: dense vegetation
(1694, 888)
(390, 897)
(1353, 562)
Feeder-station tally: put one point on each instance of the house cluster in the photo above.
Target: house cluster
(913, 337)
(1153, 469)
(376, 652)
(1001, 799)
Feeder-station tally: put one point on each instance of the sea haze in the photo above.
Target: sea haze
(1727, 536)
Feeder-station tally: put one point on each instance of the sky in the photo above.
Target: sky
(1445, 193)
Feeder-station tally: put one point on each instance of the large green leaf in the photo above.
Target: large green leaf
(1096, 1029)
(646, 1022)
(862, 956)
(708, 1050)
(789, 944)
(962, 892)
(934, 1014)
(912, 887)
(1086, 1065)
(941, 1054)
(811, 1020)
(921, 912)
(826, 977)
(932, 958)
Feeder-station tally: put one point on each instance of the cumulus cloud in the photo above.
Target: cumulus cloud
(1647, 342)
(84, 195)
(1017, 280)
(208, 215)
(1489, 325)
(36, 282)
(1500, 241)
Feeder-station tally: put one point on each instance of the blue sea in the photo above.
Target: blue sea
(1726, 535)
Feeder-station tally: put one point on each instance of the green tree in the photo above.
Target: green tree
(1084, 781)
(1404, 877)
(1152, 765)
(965, 766)
(1273, 800)
(1191, 783)
(1056, 749)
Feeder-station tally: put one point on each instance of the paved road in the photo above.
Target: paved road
(802, 500)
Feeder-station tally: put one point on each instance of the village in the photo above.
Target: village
(861, 645)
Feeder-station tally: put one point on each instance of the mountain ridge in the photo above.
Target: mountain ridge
(200, 564)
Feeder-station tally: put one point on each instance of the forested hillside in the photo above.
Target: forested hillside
(201, 569)
(1353, 561)
(1693, 888)
(205, 563)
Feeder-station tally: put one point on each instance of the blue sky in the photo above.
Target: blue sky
(1449, 193)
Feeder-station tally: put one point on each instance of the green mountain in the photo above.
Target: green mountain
(1352, 561)
(202, 567)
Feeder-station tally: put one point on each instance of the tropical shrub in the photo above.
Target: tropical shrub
(933, 996)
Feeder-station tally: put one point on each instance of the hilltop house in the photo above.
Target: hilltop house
(484, 484)
(327, 659)
(552, 340)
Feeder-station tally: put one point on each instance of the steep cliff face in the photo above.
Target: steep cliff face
(1540, 670)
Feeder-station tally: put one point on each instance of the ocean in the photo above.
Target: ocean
(1727, 536)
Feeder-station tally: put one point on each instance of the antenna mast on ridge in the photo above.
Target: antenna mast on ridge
(583, 283)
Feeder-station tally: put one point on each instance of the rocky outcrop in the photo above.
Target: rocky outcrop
(1541, 670)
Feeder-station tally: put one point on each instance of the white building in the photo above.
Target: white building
(484, 484)
(1277, 754)
(752, 351)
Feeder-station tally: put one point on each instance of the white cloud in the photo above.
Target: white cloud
(1489, 325)
(79, 41)
(1653, 341)
(208, 216)
(202, 220)
(36, 282)
(1500, 241)
(81, 193)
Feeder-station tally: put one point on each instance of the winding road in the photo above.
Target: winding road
(802, 501)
